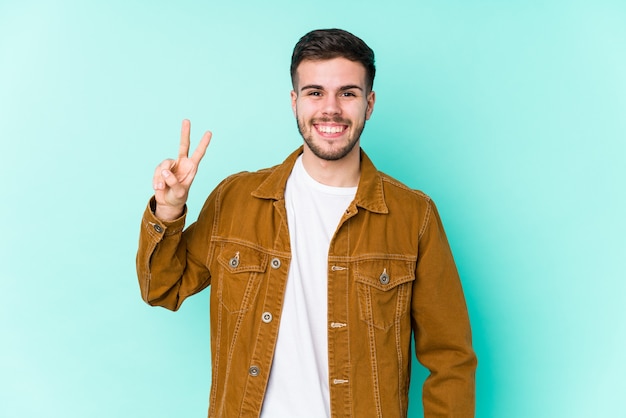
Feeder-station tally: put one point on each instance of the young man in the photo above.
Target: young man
(320, 268)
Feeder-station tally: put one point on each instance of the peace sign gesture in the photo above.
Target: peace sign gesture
(172, 178)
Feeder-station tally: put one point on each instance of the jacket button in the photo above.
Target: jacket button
(158, 228)
(267, 317)
(234, 262)
(254, 371)
(275, 263)
(384, 278)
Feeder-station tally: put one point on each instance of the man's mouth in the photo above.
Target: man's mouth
(330, 129)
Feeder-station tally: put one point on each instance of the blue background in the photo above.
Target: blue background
(511, 115)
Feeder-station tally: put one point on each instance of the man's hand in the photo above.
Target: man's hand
(172, 178)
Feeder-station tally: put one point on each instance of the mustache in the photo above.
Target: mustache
(335, 119)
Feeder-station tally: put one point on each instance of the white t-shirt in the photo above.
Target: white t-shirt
(298, 381)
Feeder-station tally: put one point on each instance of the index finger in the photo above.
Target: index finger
(183, 150)
(201, 148)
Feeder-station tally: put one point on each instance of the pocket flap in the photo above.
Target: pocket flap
(385, 274)
(239, 259)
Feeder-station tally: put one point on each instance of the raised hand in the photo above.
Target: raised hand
(172, 178)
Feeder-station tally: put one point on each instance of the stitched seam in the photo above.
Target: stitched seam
(155, 239)
(373, 256)
(148, 276)
(219, 239)
(426, 220)
(256, 343)
(229, 358)
(215, 366)
(399, 305)
(218, 206)
(390, 180)
(350, 396)
(373, 356)
(243, 398)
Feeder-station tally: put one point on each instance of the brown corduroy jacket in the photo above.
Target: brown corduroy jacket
(390, 274)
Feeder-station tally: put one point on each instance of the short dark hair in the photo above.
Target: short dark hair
(325, 44)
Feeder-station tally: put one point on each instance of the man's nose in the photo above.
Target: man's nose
(331, 105)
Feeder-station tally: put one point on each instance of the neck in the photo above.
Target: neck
(340, 173)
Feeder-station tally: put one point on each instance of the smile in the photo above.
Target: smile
(330, 129)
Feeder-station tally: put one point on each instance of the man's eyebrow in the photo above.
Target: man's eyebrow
(311, 87)
(350, 87)
(342, 88)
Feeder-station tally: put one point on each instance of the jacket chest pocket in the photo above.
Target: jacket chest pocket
(384, 289)
(241, 270)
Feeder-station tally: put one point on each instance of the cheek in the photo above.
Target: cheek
(304, 110)
(362, 113)
(368, 112)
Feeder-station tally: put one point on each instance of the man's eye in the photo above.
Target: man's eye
(348, 94)
(315, 93)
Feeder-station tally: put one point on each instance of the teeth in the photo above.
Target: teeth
(330, 129)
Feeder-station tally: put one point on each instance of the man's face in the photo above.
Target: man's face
(331, 102)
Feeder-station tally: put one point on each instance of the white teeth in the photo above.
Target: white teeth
(330, 129)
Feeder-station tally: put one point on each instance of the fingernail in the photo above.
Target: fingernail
(165, 173)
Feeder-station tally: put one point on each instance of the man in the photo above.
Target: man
(320, 268)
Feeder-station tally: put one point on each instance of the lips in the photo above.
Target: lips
(330, 129)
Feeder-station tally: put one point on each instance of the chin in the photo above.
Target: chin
(330, 153)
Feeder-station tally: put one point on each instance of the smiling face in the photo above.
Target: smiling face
(331, 103)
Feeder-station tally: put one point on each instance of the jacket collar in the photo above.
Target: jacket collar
(369, 194)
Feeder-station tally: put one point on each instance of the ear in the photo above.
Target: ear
(371, 99)
(294, 97)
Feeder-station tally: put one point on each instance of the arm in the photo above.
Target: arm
(441, 325)
(169, 266)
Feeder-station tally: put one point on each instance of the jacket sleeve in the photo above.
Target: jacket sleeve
(441, 326)
(171, 263)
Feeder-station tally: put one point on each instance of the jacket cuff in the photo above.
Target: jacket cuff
(158, 228)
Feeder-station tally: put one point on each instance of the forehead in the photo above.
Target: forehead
(335, 72)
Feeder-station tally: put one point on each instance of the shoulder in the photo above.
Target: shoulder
(244, 183)
(395, 189)
(246, 177)
(410, 203)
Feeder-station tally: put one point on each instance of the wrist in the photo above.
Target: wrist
(168, 213)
